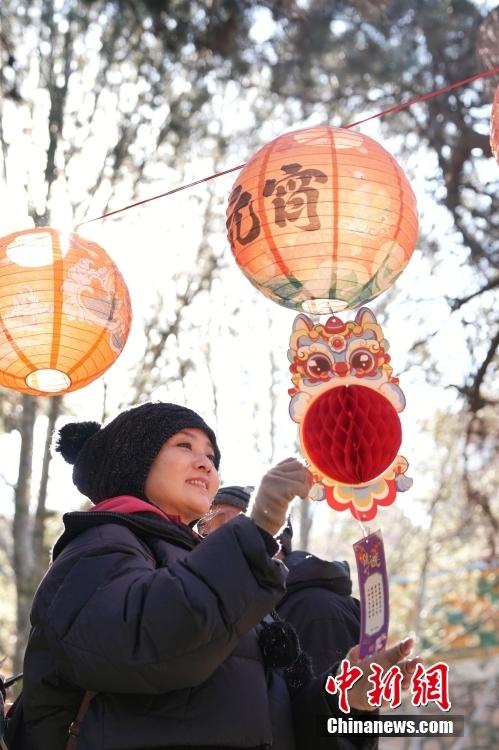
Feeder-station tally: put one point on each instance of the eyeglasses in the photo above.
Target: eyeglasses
(221, 513)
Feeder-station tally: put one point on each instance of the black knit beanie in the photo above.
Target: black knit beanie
(115, 459)
(239, 497)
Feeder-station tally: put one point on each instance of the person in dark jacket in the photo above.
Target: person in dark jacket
(170, 631)
(319, 603)
(228, 503)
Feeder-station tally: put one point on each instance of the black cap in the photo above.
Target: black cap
(239, 497)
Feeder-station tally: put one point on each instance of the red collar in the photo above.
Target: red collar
(130, 504)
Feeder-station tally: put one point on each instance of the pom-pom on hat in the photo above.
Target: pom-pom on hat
(115, 459)
(239, 497)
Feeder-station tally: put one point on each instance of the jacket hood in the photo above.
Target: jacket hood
(306, 570)
(138, 515)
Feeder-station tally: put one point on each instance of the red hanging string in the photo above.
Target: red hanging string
(395, 108)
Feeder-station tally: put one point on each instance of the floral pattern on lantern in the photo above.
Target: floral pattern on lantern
(363, 501)
(322, 219)
(65, 311)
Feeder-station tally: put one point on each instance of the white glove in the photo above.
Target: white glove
(278, 487)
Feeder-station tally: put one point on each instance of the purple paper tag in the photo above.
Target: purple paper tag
(373, 586)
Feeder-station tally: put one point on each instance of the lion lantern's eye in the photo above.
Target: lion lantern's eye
(363, 362)
(318, 366)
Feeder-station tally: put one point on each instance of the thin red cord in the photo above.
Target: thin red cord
(395, 108)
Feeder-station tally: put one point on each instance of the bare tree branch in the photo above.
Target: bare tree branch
(458, 302)
(40, 561)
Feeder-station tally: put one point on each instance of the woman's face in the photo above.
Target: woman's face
(183, 480)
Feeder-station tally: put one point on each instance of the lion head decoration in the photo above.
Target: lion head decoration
(346, 403)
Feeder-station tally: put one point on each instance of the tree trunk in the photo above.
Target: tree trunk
(40, 560)
(22, 531)
(306, 517)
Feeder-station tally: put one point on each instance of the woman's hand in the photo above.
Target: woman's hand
(395, 655)
(278, 487)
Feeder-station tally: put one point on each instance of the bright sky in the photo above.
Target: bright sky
(133, 244)
(149, 242)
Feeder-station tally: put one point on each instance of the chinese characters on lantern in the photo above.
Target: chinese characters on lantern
(429, 685)
(239, 202)
(293, 194)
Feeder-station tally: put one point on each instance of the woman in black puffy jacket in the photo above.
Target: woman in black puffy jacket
(169, 632)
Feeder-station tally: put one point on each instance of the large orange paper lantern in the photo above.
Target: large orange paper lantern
(322, 219)
(65, 311)
(494, 126)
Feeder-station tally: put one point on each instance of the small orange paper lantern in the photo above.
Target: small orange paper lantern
(65, 311)
(322, 219)
(494, 126)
